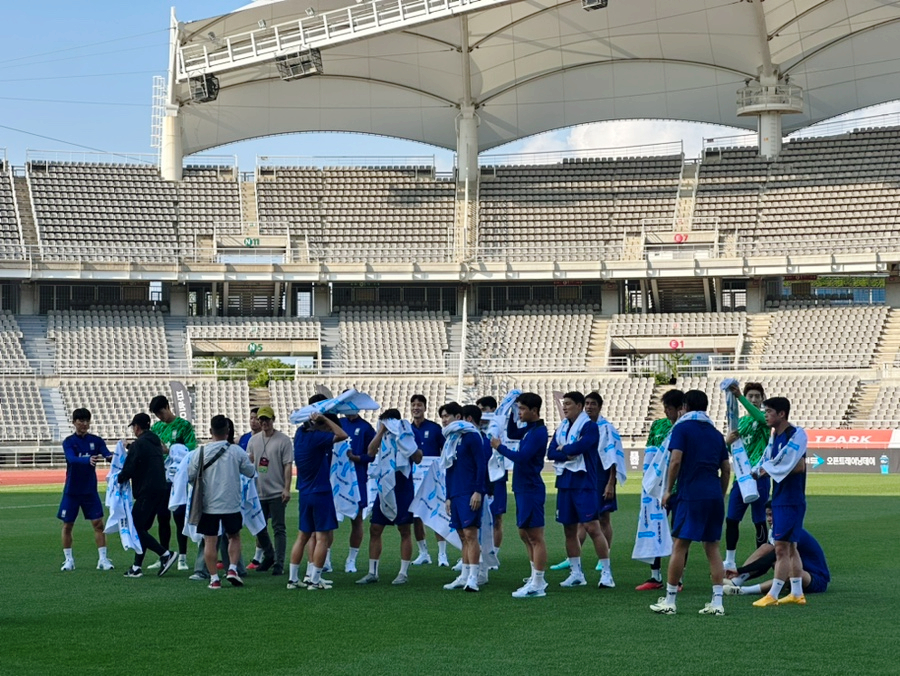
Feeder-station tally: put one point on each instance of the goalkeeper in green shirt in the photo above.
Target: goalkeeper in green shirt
(754, 433)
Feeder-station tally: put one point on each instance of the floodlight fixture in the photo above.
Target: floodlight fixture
(261, 23)
(204, 88)
(298, 65)
(310, 11)
(589, 5)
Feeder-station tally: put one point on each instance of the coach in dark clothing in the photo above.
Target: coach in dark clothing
(145, 469)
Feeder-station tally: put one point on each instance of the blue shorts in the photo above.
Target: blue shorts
(461, 515)
(787, 522)
(530, 510)
(317, 513)
(737, 507)
(404, 516)
(816, 585)
(576, 506)
(607, 506)
(361, 482)
(89, 504)
(699, 520)
(498, 506)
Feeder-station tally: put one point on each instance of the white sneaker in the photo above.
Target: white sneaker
(350, 566)
(710, 609)
(155, 566)
(458, 583)
(105, 564)
(424, 558)
(444, 562)
(68, 564)
(731, 590)
(529, 592)
(328, 568)
(182, 562)
(368, 579)
(322, 581)
(400, 579)
(456, 566)
(606, 582)
(574, 580)
(729, 565)
(663, 607)
(482, 577)
(471, 585)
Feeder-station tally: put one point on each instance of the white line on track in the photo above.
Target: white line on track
(52, 504)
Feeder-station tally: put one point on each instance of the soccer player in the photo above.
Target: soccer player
(498, 488)
(816, 575)
(254, 428)
(754, 434)
(404, 494)
(785, 461)
(361, 434)
(83, 451)
(528, 487)
(574, 450)
(430, 441)
(272, 453)
(699, 462)
(145, 469)
(313, 446)
(466, 484)
(223, 464)
(672, 402)
(171, 430)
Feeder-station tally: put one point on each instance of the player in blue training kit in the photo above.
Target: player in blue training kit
(498, 492)
(83, 451)
(528, 487)
(699, 463)
(361, 434)
(577, 501)
(313, 446)
(430, 440)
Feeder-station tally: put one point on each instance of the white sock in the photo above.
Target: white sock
(351, 557)
(68, 554)
(182, 558)
(729, 555)
(751, 589)
(537, 578)
(102, 552)
(607, 568)
(575, 565)
(373, 567)
(213, 578)
(294, 574)
(258, 554)
(423, 546)
(309, 568)
(717, 595)
(671, 593)
(797, 586)
(232, 567)
(442, 548)
(328, 558)
(777, 586)
(464, 574)
(316, 576)
(655, 574)
(404, 567)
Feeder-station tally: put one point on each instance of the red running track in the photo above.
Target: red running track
(39, 477)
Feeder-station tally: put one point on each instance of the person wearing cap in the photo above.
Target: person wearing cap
(145, 469)
(272, 453)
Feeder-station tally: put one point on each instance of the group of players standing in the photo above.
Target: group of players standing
(696, 485)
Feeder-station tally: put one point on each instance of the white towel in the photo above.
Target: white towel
(344, 486)
(568, 434)
(654, 483)
(610, 448)
(430, 501)
(120, 501)
(397, 446)
(346, 403)
(453, 434)
(486, 534)
(782, 464)
(180, 457)
(653, 537)
(740, 463)
(251, 509)
(498, 465)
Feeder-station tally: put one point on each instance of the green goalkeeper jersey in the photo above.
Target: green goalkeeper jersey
(658, 431)
(179, 431)
(754, 431)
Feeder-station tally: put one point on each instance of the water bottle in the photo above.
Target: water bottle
(884, 464)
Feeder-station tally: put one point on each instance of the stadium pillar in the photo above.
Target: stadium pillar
(178, 300)
(609, 299)
(717, 282)
(28, 299)
(172, 156)
(645, 297)
(214, 298)
(467, 145)
(321, 306)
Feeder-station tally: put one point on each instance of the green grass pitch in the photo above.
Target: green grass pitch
(93, 622)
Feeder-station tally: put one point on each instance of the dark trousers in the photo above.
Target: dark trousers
(273, 509)
(165, 525)
(143, 513)
(760, 567)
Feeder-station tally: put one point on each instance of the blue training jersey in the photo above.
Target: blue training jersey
(586, 446)
(81, 477)
(703, 451)
(244, 440)
(812, 556)
(361, 434)
(312, 456)
(468, 473)
(792, 489)
(528, 461)
(429, 438)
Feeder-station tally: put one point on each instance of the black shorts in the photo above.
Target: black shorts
(209, 523)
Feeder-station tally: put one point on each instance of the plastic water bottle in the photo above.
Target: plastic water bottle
(884, 464)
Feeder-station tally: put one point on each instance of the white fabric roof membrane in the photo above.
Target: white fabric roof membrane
(538, 65)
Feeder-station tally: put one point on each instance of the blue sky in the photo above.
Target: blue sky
(84, 77)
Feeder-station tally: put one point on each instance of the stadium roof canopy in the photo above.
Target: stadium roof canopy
(527, 66)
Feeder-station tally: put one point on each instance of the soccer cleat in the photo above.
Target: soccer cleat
(650, 585)
(400, 579)
(264, 565)
(167, 563)
(791, 599)
(444, 562)
(562, 565)
(368, 579)
(105, 564)
(456, 566)
(350, 566)
(68, 564)
(423, 559)
(278, 570)
(295, 584)
(731, 590)
(662, 607)
(253, 565)
(471, 585)
(198, 577)
(308, 581)
(155, 566)
(574, 580)
(328, 568)
(234, 579)
(134, 571)
(767, 600)
(606, 582)
(458, 583)
(182, 562)
(482, 578)
(529, 592)
(215, 584)
(710, 609)
(318, 586)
